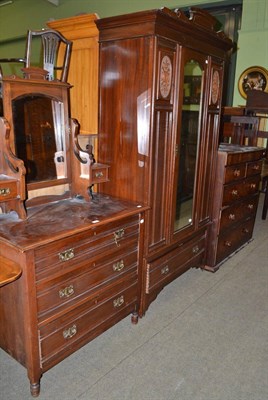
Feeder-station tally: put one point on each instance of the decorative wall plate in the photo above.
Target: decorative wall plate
(253, 78)
(165, 76)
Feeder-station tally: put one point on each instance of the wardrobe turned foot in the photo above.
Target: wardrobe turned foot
(134, 318)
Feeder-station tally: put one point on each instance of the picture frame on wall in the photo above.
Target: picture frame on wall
(255, 78)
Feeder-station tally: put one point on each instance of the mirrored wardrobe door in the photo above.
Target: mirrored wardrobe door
(188, 139)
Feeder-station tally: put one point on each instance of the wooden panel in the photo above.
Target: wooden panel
(126, 94)
(159, 179)
(83, 72)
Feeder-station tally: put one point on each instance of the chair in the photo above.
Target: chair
(239, 128)
(51, 41)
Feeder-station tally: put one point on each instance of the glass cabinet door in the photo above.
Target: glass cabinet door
(188, 142)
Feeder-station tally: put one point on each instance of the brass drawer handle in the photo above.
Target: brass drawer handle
(118, 235)
(98, 174)
(118, 302)
(228, 243)
(245, 230)
(70, 332)
(256, 167)
(250, 206)
(237, 172)
(66, 292)
(5, 191)
(118, 266)
(66, 255)
(234, 192)
(165, 270)
(232, 217)
(195, 249)
(253, 186)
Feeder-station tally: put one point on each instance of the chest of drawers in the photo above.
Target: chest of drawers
(236, 198)
(79, 277)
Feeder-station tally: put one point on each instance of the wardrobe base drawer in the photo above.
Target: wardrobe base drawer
(162, 270)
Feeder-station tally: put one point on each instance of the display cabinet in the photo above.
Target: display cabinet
(161, 77)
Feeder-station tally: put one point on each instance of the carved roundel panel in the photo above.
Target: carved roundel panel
(215, 87)
(165, 76)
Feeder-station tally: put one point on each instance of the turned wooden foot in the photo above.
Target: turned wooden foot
(35, 389)
(134, 318)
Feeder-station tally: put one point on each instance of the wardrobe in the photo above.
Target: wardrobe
(160, 89)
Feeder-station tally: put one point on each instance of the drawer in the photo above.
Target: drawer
(160, 271)
(235, 173)
(8, 189)
(62, 335)
(254, 168)
(236, 191)
(62, 291)
(229, 242)
(244, 155)
(238, 212)
(102, 240)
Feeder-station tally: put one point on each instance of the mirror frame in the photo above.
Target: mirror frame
(14, 87)
(187, 55)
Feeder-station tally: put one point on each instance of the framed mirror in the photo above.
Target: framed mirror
(188, 144)
(40, 133)
(40, 138)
